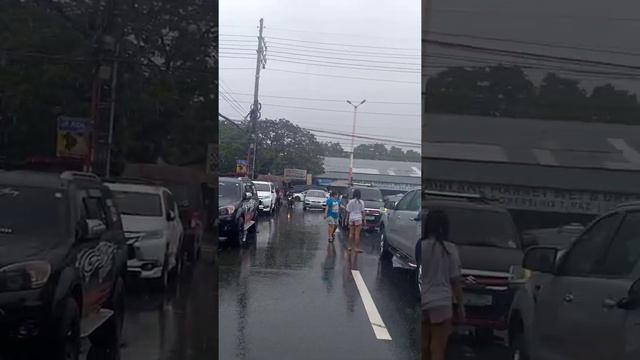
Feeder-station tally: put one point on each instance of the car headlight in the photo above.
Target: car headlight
(24, 276)
(152, 235)
(226, 210)
(518, 274)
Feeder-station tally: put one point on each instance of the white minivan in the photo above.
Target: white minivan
(267, 195)
(153, 230)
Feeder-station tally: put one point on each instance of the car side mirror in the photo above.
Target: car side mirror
(541, 259)
(92, 229)
(632, 300)
(171, 216)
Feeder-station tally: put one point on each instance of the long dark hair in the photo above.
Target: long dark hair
(436, 226)
(357, 194)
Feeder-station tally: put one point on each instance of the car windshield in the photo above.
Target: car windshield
(315, 194)
(229, 190)
(481, 228)
(32, 211)
(138, 204)
(184, 193)
(262, 187)
(370, 194)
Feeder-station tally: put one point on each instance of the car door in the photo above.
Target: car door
(560, 299)
(401, 230)
(598, 293)
(96, 258)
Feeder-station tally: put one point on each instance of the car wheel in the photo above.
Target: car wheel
(66, 345)
(109, 333)
(385, 253)
(518, 347)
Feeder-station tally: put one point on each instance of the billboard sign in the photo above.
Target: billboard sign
(72, 137)
(297, 174)
(538, 198)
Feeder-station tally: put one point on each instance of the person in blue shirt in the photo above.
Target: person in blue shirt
(331, 213)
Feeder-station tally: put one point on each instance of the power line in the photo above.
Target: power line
(327, 43)
(537, 17)
(287, 46)
(332, 100)
(523, 54)
(231, 103)
(536, 43)
(342, 111)
(344, 76)
(228, 92)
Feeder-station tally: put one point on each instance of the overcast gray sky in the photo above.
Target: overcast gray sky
(386, 39)
(610, 27)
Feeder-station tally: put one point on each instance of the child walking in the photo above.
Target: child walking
(355, 209)
(331, 213)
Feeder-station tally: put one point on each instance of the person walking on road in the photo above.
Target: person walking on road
(440, 285)
(355, 210)
(331, 213)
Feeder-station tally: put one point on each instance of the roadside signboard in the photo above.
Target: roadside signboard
(297, 174)
(538, 198)
(242, 167)
(72, 137)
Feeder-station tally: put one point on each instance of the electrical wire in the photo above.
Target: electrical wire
(341, 111)
(325, 43)
(329, 100)
(344, 76)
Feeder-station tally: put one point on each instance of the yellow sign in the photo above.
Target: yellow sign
(73, 137)
(242, 167)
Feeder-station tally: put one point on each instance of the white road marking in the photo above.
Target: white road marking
(377, 324)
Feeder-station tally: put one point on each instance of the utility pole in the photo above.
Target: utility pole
(261, 61)
(353, 136)
(112, 111)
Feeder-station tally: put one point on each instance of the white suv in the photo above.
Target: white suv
(153, 230)
(267, 195)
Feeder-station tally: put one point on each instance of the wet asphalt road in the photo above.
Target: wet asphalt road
(290, 295)
(179, 324)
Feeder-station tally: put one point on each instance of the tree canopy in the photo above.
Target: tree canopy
(507, 91)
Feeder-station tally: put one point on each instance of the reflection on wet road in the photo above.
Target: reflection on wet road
(291, 295)
(178, 324)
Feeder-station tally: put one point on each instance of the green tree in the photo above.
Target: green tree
(561, 99)
(333, 149)
(608, 104)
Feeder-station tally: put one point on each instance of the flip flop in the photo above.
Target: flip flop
(358, 250)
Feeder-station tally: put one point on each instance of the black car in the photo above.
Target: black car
(238, 209)
(490, 252)
(373, 203)
(62, 264)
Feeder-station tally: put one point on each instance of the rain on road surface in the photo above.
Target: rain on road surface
(179, 324)
(291, 295)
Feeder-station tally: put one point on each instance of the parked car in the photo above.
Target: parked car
(153, 230)
(266, 195)
(62, 264)
(190, 188)
(238, 209)
(488, 243)
(314, 199)
(583, 302)
(373, 203)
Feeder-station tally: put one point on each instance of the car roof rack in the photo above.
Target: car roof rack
(78, 175)
(467, 196)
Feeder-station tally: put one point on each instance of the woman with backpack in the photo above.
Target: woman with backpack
(355, 209)
(440, 285)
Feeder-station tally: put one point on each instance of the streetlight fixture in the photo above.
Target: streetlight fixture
(353, 135)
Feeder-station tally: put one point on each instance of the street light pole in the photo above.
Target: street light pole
(353, 136)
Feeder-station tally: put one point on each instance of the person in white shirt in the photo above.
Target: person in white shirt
(440, 285)
(355, 209)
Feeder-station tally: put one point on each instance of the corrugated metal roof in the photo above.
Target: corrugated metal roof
(373, 167)
(532, 141)
(412, 180)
